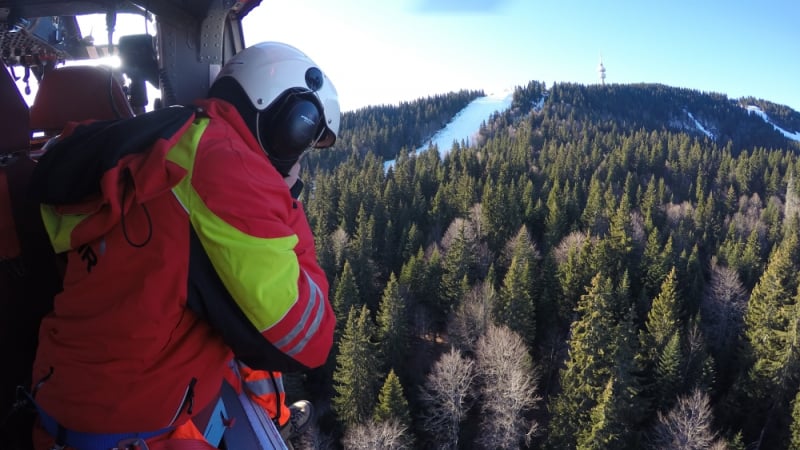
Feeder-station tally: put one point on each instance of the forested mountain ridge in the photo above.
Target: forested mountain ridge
(658, 107)
(616, 276)
(385, 129)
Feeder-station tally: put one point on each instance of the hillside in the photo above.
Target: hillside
(744, 123)
(615, 259)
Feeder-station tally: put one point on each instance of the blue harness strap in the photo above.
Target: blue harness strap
(90, 441)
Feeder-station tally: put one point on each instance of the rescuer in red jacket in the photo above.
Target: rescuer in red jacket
(186, 248)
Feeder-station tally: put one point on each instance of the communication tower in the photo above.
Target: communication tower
(601, 72)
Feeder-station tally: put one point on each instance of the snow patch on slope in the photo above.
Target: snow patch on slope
(755, 109)
(700, 126)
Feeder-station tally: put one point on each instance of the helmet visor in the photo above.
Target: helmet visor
(326, 138)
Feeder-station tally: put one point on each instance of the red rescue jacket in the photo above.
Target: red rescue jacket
(183, 243)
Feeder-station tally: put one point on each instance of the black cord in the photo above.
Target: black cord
(146, 213)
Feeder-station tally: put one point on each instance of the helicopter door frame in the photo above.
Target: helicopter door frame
(191, 51)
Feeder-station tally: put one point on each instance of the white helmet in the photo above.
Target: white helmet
(299, 104)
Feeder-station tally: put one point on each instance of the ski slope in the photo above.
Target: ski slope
(466, 123)
(763, 115)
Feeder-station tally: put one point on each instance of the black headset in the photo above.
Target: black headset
(289, 128)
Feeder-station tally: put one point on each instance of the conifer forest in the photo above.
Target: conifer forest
(593, 270)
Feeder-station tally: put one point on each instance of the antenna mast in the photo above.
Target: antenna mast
(601, 72)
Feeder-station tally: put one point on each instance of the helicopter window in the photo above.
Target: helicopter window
(95, 38)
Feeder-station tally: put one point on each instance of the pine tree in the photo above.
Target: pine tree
(556, 221)
(650, 204)
(692, 282)
(772, 329)
(458, 263)
(663, 317)
(794, 428)
(606, 430)
(431, 290)
(653, 272)
(592, 217)
(392, 320)
(630, 407)
(771, 322)
(361, 247)
(356, 375)
(668, 379)
(574, 274)
(620, 241)
(588, 367)
(346, 295)
(392, 403)
(413, 276)
(751, 264)
(516, 308)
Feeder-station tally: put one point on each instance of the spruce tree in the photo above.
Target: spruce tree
(668, 374)
(588, 367)
(516, 308)
(794, 428)
(772, 330)
(363, 265)
(592, 218)
(392, 403)
(392, 321)
(556, 221)
(458, 263)
(356, 374)
(771, 323)
(412, 276)
(346, 295)
(663, 317)
(606, 430)
(656, 263)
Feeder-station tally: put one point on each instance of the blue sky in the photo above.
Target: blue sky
(384, 52)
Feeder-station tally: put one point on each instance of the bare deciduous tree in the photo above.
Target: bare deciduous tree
(749, 215)
(792, 208)
(687, 426)
(472, 317)
(637, 228)
(508, 390)
(722, 308)
(676, 213)
(446, 397)
(576, 240)
(339, 240)
(385, 435)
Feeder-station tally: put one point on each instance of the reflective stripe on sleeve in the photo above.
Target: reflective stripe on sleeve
(313, 313)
